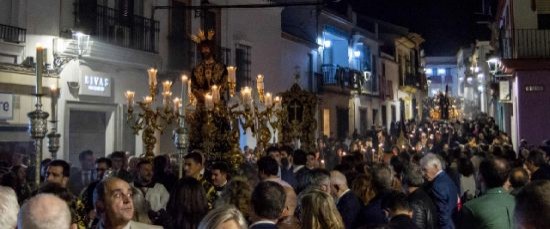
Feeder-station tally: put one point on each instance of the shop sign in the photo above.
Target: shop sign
(95, 85)
(6, 106)
(534, 88)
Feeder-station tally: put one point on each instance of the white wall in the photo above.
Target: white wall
(294, 54)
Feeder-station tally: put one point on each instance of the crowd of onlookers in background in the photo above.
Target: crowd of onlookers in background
(414, 175)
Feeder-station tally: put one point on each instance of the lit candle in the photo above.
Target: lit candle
(268, 100)
(39, 67)
(167, 86)
(166, 99)
(215, 94)
(231, 70)
(54, 91)
(177, 105)
(247, 95)
(152, 76)
(208, 102)
(184, 96)
(260, 83)
(148, 100)
(130, 98)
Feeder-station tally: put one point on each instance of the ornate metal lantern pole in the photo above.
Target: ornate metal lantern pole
(38, 125)
(53, 136)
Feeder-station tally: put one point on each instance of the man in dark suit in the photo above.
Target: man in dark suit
(441, 188)
(81, 178)
(347, 203)
(268, 203)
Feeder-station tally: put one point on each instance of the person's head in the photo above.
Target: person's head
(311, 160)
(291, 202)
(206, 49)
(86, 159)
(102, 165)
(267, 167)
(286, 155)
(118, 159)
(413, 177)
(381, 178)
(494, 172)
(533, 206)
(362, 187)
(317, 178)
(299, 157)
(519, 177)
(318, 210)
(113, 201)
(237, 193)
(160, 163)
(8, 208)
(534, 160)
(338, 183)
(193, 164)
(220, 173)
(396, 203)
(224, 217)
(44, 211)
(275, 153)
(187, 204)
(431, 165)
(465, 167)
(58, 172)
(145, 171)
(268, 200)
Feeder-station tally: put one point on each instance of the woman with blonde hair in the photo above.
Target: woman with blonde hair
(362, 187)
(318, 211)
(237, 193)
(225, 216)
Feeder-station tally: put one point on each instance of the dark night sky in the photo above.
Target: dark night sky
(446, 25)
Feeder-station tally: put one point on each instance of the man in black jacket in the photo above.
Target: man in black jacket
(397, 209)
(420, 202)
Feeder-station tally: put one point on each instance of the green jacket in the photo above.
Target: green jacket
(494, 209)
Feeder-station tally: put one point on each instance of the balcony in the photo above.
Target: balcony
(12, 34)
(526, 44)
(343, 79)
(412, 83)
(117, 27)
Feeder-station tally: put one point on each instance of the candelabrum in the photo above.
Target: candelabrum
(258, 116)
(151, 119)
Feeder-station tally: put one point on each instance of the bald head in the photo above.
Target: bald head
(338, 183)
(291, 202)
(44, 211)
(8, 208)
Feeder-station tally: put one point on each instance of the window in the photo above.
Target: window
(543, 21)
(243, 63)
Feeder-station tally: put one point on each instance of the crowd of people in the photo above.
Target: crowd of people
(414, 175)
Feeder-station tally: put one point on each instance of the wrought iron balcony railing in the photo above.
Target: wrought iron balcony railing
(526, 43)
(347, 78)
(117, 27)
(12, 34)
